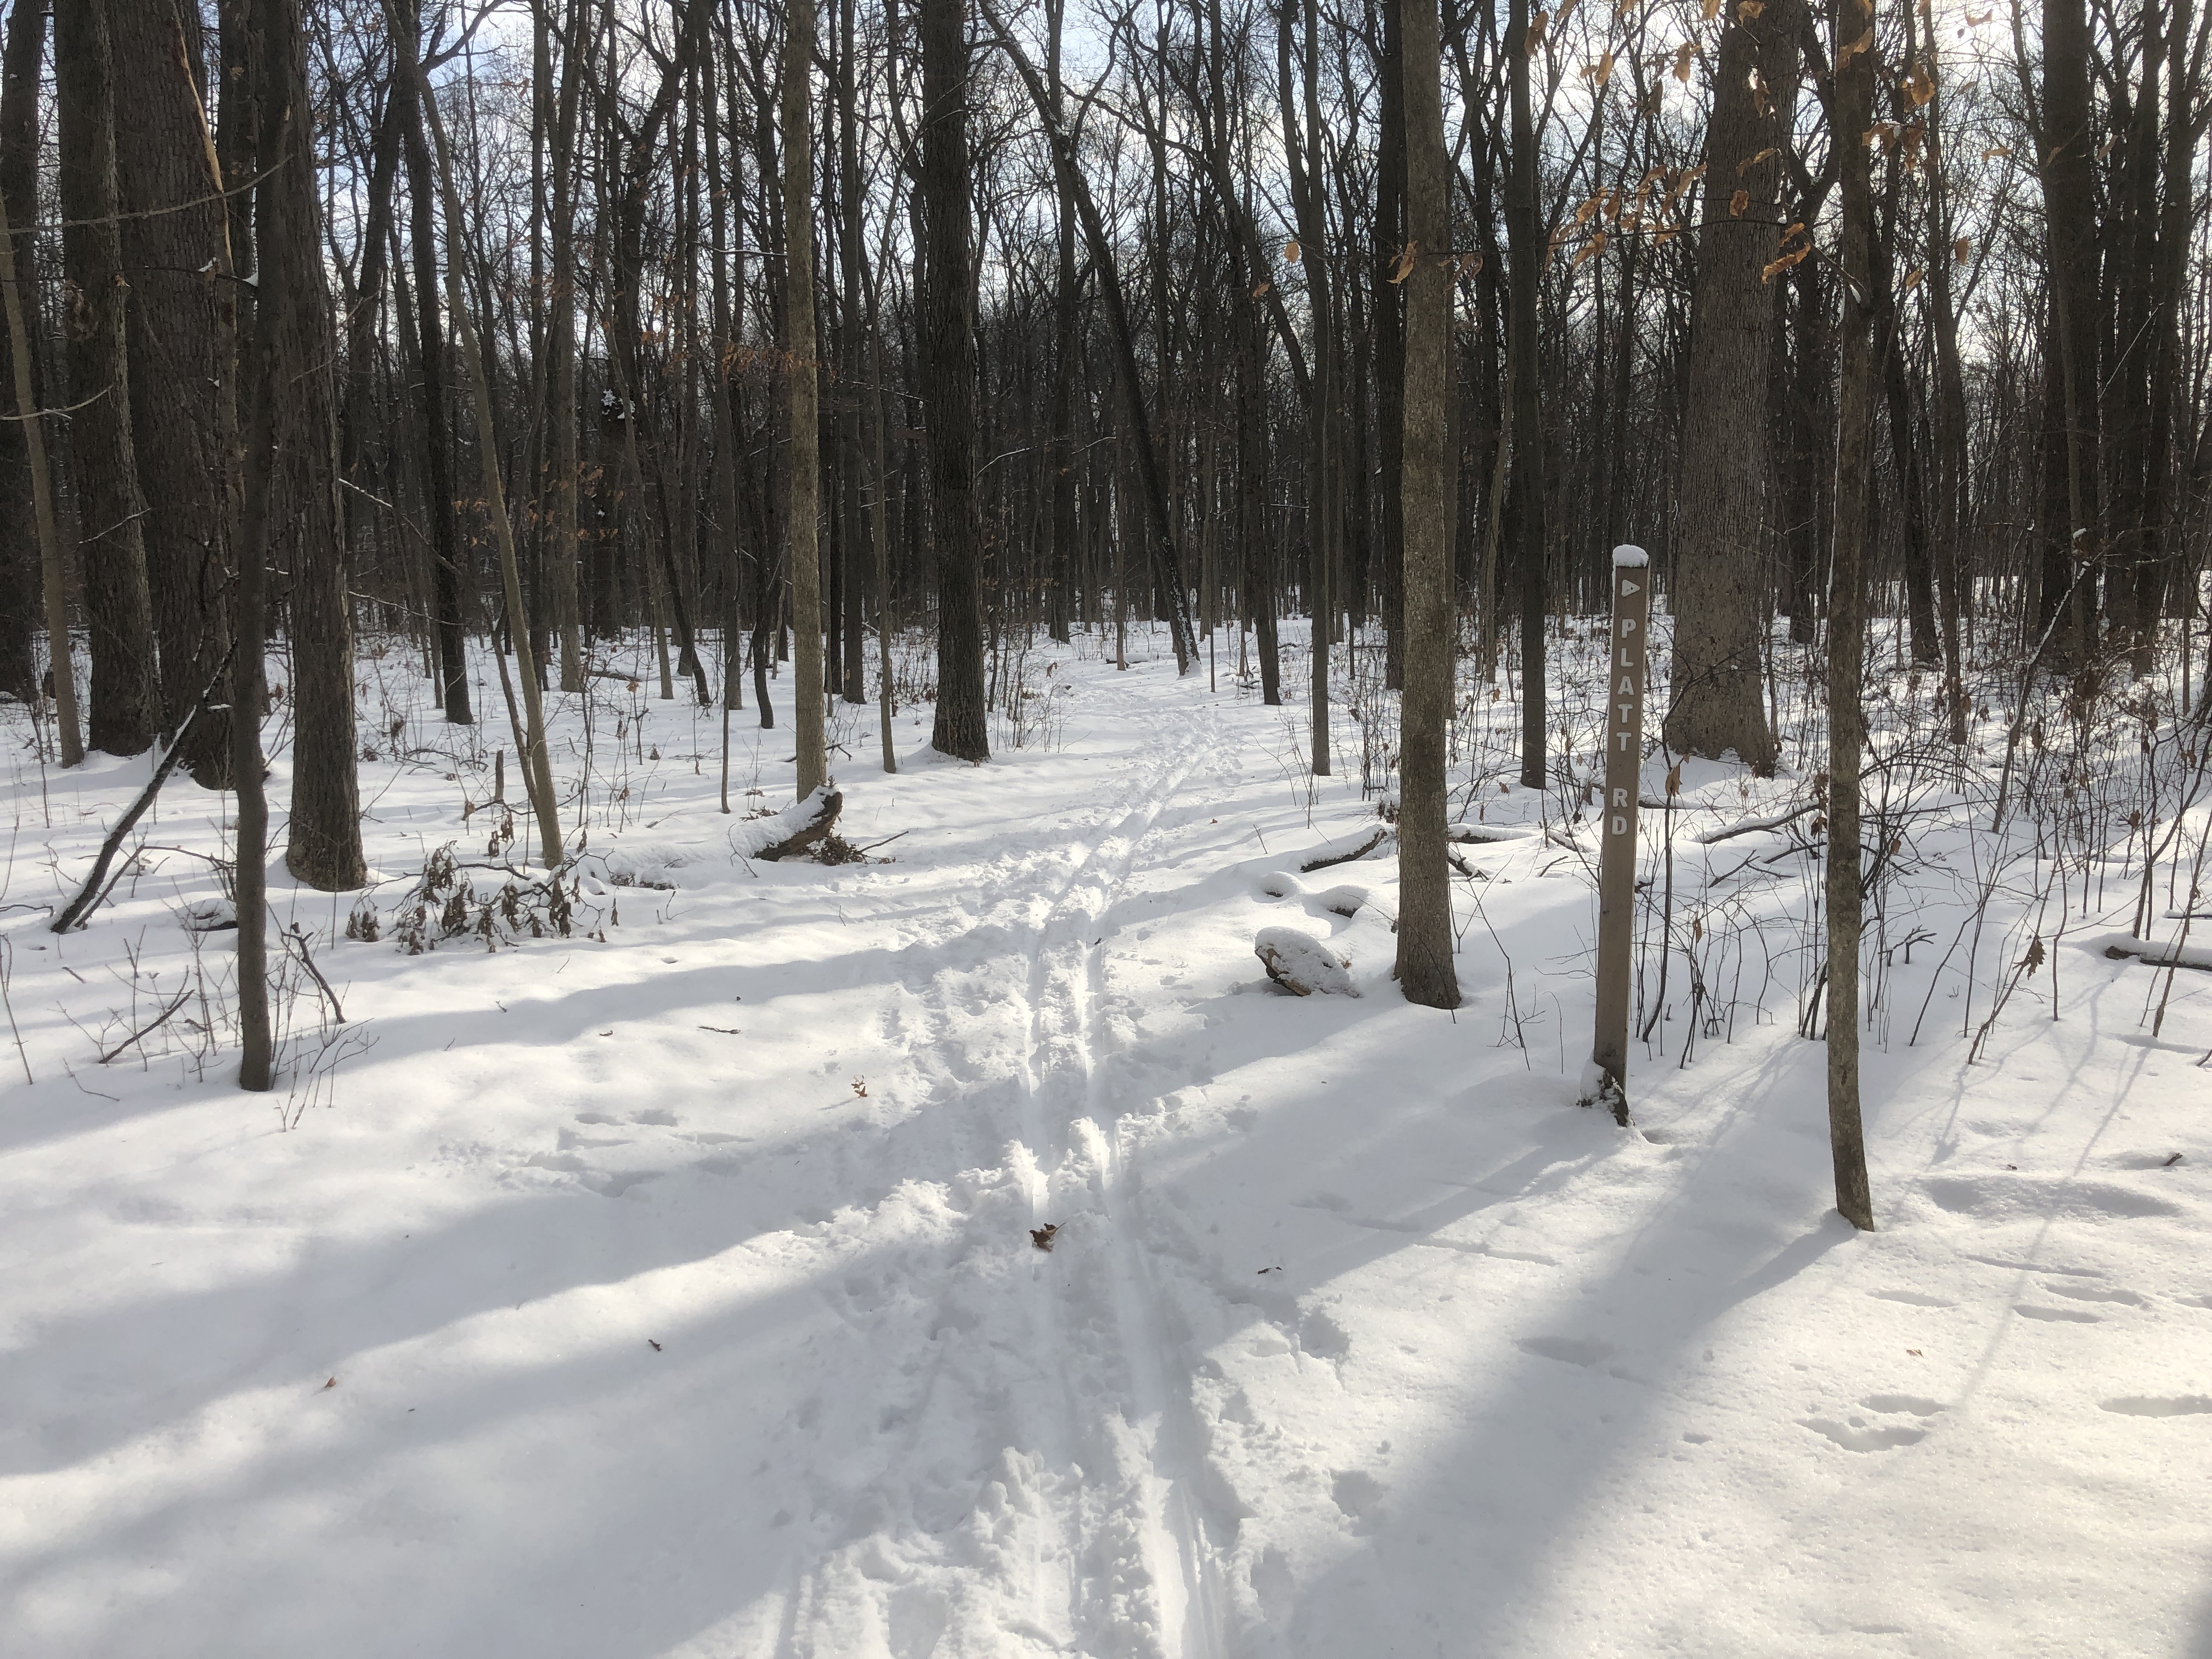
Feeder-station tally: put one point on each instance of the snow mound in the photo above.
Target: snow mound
(647, 864)
(1301, 964)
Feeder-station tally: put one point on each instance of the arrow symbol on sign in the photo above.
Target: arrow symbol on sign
(1627, 586)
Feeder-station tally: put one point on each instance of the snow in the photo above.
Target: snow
(1630, 558)
(1301, 963)
(674, 1294)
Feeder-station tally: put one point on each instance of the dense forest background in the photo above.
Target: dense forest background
(1207, 306)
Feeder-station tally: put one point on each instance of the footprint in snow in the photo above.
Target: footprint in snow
(1911, 1298)
(1860, 1436)
(1918, 1405)
(1569, 1350)
(2187, 1405)
(1356, 1491)
(2058, 1316)
(2100, 1293)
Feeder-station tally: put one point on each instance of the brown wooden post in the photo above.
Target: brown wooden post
(1624, 767)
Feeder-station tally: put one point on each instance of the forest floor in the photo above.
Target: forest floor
(671, 1291)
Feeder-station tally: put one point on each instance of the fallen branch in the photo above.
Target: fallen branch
(95, 885)
(1358, 852)
(2129, 949)
(295, 938)
(1752, 826)
(183, 997)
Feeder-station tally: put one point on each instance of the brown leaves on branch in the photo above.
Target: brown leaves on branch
(1404, 268)
(1788, 258)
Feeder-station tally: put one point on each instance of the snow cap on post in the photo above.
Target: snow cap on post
(1628, 554)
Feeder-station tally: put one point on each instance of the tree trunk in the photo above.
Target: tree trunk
(561, 547)
(1430, 474)
(1389, 326)
(2071, 246)
(125, 700)
(183, 348)
(948, 345)
(1853, 96)
(806, 517)
(324, 846)
(446, 555)
(1717, 554)
(1526, 508)
(20, 596)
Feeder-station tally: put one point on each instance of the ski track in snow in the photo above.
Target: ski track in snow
(674, 1296)
(1095, 1544)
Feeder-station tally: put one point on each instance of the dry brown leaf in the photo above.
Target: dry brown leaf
(1404, 268)
(1738, 203)
(1749, 162)
(1912, 278)
(1749, 10)
(1962, 250)
(1683, 55)
(1996, 150)
(1290, 250)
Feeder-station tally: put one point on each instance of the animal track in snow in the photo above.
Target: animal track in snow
(2058, 1316)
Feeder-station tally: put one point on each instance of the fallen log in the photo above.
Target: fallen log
(810, 836)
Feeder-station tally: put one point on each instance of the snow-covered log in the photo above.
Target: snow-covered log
(1301, 964)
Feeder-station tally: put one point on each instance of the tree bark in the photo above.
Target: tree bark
(446, 557)
(322, 847)
(2071, 246)
(1430, 476)
(948, 346)
(124, 705)
(184, 360)
(1523, 373)
(805, 400)
(20, 595)
(1853, 96)
(1717, 554)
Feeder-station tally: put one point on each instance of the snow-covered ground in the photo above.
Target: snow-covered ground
(674, 1291)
